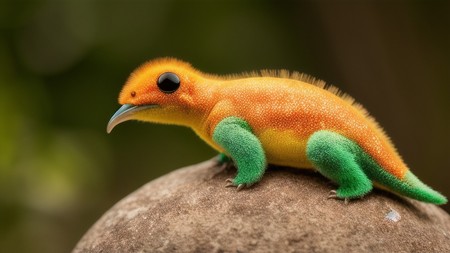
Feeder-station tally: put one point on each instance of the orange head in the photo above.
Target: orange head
(161, 91)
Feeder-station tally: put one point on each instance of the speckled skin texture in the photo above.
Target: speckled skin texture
(282, 109)
(236, 137)
(189, 210)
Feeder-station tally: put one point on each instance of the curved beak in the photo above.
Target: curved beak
(126, 112)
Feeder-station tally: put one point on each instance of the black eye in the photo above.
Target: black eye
(168, 82)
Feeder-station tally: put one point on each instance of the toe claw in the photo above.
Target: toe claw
(332, 195)
(229, 182)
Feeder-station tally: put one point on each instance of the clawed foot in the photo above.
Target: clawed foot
(239, 187)
(333, 195)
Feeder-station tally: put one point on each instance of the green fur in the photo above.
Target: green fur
(345, 162)
(223, 158)
(235, 136)
(334, 156)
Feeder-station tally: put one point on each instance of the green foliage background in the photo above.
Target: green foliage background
(62, 64)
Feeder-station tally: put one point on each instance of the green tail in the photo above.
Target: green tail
(410, 186)
(345, 162)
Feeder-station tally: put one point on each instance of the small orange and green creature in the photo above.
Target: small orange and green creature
(280, 118)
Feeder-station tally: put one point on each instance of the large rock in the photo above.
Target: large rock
(190, 210)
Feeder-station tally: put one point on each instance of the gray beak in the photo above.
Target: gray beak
(125, 113)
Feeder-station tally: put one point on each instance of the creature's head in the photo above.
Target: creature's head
(159, 91)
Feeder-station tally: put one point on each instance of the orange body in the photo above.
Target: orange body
(283, 110)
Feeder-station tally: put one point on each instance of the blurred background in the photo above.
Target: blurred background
(63, 63)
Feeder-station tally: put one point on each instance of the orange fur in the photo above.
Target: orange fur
(276, 101)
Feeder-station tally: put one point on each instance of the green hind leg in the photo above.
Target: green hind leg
(335, 157)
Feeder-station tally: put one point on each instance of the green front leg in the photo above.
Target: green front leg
(235, 136)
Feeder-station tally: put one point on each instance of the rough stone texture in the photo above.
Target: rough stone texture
(190, 210)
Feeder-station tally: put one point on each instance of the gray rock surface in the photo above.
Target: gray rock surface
(190, 210)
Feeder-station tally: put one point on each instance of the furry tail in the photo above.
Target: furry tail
(409, 186)
(412, 187)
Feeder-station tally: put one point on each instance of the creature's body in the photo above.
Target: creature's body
(273, 117)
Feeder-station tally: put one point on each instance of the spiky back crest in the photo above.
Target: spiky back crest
(310, 80)
(173, 63)
(184, 68)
